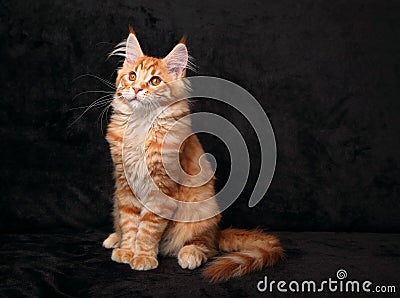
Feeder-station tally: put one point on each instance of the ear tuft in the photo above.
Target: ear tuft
(177, 60)
(183, 39)
(133, 50)
(131, 30)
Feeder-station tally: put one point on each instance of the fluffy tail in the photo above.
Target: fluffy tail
(248, 251)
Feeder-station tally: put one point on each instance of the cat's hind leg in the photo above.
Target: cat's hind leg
(201, 245)
(191, 257)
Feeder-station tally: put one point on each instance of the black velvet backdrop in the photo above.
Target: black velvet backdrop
(326, 72)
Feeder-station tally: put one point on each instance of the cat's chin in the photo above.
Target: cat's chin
(134, 103)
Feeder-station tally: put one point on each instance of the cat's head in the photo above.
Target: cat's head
(141, 76)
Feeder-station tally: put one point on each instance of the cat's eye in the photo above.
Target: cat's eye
(132, 76)
(155, 81)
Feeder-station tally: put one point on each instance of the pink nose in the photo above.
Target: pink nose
(137, 89)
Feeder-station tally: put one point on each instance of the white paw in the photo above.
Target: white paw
(122, 255)
(144, 263)
(191, 257)
(112, 241)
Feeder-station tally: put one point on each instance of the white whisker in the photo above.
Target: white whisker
(92, 91)
(103, 113)
(104, 81)
(95, 103)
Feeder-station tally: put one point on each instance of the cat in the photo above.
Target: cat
(140, 234)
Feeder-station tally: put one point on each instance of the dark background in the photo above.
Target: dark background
(326, 72)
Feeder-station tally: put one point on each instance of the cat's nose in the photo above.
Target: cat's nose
(137, 89)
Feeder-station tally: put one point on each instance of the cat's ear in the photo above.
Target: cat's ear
(133, 50)
(177, 60)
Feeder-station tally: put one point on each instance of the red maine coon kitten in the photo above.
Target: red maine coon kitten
(141, 234)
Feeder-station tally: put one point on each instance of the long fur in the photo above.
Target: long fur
(139, 234)
(248, 251)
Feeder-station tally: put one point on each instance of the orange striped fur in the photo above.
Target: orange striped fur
(140, 235)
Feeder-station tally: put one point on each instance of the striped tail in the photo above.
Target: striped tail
(248, 251)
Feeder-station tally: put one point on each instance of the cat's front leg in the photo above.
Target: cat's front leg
(129, 215)
(151, 229)
(114, 239)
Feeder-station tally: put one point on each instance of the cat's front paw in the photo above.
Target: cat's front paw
(144, 263)
(191, 257)
(112, 241)
(122, 255)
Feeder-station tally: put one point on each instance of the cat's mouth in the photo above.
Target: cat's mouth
(130, 97)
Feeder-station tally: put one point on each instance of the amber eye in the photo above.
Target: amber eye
(155, 81)
(132, 76)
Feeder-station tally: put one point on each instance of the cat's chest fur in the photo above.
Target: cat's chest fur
(128, 136)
